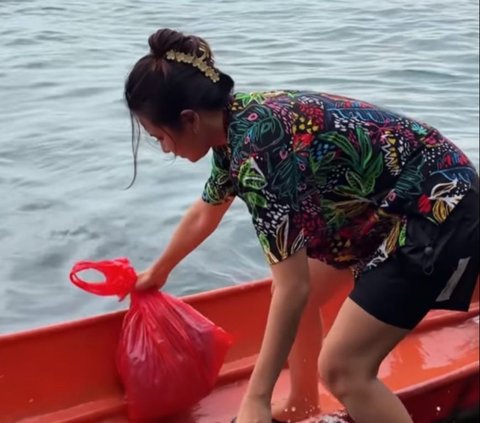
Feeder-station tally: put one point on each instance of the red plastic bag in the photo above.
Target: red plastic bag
(169, 355)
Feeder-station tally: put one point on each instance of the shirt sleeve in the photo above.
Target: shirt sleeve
(277, 218)
(219, 187)
(270, 179)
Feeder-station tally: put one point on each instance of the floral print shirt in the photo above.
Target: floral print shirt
(335, 175)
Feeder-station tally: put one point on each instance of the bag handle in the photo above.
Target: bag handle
(120, 277)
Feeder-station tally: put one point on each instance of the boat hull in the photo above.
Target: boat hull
(66, 373)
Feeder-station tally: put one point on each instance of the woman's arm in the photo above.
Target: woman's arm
(200, 220)
(292, 287)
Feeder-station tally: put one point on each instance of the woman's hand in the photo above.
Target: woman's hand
(254, 410)
(150, 280)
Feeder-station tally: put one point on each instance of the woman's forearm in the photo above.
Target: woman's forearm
(283, 320)
(288, 302)
(197, 224)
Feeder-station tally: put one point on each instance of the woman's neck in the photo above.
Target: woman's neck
(217, 124)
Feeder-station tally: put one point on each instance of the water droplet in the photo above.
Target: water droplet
(30, 400)
(438, 409)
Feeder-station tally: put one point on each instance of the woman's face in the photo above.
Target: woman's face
(191, 141)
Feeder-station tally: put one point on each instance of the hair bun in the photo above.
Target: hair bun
(168, 39)
(163, 40)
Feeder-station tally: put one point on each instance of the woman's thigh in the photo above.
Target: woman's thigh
(358, 342)
(328, 282)
(330, 287)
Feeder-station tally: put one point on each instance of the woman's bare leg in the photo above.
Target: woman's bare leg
(349, 363)
(328, 286)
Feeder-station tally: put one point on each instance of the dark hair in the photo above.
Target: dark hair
(159, 89)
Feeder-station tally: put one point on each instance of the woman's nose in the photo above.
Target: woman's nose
(164, 147)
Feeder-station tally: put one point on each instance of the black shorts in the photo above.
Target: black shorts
(436, 269)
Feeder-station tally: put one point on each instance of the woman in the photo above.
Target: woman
(328, 181)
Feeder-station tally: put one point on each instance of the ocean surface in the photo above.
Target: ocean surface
(65, 154)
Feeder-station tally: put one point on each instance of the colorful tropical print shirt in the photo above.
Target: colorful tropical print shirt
(335, 175)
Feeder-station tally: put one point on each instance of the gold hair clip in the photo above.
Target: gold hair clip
(198, 62)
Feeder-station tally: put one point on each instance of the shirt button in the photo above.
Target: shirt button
(428, 251)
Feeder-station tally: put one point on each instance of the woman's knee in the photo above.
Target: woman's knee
(343, 376)
(333, 373)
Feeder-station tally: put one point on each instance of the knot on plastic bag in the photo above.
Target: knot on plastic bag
(120, 277)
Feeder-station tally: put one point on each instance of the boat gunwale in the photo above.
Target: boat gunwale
(105, 317)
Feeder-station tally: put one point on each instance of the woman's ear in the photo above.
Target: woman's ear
(190, 120)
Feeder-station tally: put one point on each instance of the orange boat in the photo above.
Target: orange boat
(66, 373)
